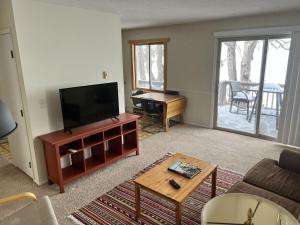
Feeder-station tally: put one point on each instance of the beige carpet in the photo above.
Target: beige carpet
(231, 151)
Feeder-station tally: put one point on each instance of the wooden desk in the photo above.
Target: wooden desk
(156, 181)
(173, 105)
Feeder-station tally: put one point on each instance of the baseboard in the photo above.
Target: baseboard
(288, 146)
(197, 124)
(40, 183)
(185, 122)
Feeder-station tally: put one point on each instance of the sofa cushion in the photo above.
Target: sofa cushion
(292, 206)
(290, 160)
(268, 175)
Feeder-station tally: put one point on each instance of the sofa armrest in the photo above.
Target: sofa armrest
(290, 160)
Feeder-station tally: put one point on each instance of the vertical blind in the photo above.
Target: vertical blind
(289, 128)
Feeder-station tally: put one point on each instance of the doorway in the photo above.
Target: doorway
(250, 84)
(11, 95)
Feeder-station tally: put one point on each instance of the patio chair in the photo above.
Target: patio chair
(239, 96)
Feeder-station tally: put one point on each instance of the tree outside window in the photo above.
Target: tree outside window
(149, 64)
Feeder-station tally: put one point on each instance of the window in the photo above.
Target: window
(149, 67)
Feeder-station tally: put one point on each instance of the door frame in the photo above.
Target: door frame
(218, 42)
(7, 31)
(279, 30)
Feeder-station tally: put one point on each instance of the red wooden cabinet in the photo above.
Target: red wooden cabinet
(89, 148)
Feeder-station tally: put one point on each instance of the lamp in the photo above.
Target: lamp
(7, 123)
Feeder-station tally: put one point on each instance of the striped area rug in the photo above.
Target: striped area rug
(149, 129)
(4, 151)
(117, 207)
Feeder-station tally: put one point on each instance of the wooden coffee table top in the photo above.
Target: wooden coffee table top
(157, 179)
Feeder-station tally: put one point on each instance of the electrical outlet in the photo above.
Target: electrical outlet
(105, 74)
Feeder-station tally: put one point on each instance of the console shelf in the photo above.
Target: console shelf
(70, 173)
(93, 140)
(92, 147)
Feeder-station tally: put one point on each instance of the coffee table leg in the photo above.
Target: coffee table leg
(137, 200)
(178, 214)
(213, 183)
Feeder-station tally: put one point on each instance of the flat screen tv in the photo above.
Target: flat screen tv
(88, 104)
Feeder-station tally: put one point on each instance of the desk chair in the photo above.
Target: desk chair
(137, 104)
(151, 109)
(171, 92)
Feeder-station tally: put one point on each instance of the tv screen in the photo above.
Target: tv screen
(88, 104)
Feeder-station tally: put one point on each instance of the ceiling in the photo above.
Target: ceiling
(146, 13)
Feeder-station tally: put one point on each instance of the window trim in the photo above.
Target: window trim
(134, 43)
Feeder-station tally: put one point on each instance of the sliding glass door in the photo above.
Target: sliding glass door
(239, 70)
(273, 85)
(250, 84)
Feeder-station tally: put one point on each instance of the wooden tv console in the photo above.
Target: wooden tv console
(94, 146)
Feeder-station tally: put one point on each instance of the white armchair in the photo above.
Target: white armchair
(39, 212)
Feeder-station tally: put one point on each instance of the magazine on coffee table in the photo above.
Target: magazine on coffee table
(184, 169)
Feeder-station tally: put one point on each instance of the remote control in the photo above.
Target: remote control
(174, 184)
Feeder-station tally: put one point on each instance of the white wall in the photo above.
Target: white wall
(191, 58)
(5, 14)
(63, 47)
(5, 18)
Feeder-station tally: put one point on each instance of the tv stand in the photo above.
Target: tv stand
(68, 131)
(89, 148)
(115, 117)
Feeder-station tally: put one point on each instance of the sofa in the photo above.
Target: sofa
(278, 181)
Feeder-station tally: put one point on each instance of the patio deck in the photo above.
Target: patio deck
(238, 121)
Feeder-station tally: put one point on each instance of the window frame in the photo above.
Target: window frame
(133, 44)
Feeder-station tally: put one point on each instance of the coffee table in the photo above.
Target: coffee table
(156, 181)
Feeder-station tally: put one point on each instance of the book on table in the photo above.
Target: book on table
(185, 169)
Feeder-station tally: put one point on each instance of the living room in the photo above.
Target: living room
(60, 45)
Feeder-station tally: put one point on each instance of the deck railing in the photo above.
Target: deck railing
(269, 99)
(157, 85)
